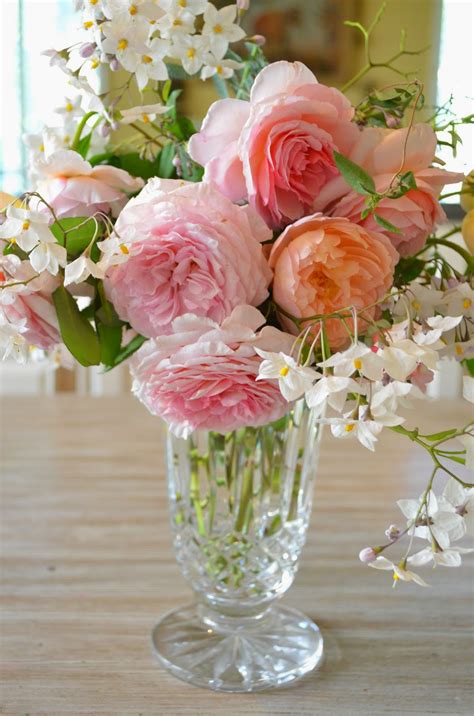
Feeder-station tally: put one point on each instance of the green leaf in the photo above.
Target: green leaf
(76, 331)
(386, 224)
(176, 72)
(407, 270)
(354, 175)
(76, 233)
(84, 144)
(166, 90)
(469, 363)
(136, 166)
(127, 351)
(110, 338)
(454, 458)
(182, 128)
(165, 168)
(434, 437)
(190, 171)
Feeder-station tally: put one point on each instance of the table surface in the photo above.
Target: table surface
(88, 569)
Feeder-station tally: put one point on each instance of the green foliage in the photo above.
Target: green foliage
(126, 352)
(386, 108)
(76, 233)
(135, 165)
(386, 224)
(110, 338)
(76, 331)
(469, 363)
(407, 270)
(355, 176)
(83, 145)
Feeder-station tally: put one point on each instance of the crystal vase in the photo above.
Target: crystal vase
(240, 506)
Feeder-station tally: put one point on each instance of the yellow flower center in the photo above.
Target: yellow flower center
(133, 10)
(93, 2)
(183, 3)
(69, 107)
(95, 63)
(459, 350)
(145, 118)
(26, 225)
(124, 249)
(349, 428)
(467, 303)
(122, 44)
(147, 59)
(13, 241)
(191, 53)
(357, 364)
(218, 29)
(88, 24)
(177, 22)
(416, 305)
(41, 147)
(219, 69)
(284, 371)
(395, 577)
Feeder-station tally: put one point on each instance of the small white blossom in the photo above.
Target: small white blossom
(459, 301)
(461, 501)
(70, 108)
(25, 228)
(222, 68)
(48, 255)
(12, 343)
(191, 51)
(401, 358)
(358, 358)
(175, 25)
(422, 300)
(333, 390)
(221, 29)
(143, 113)
(399, 572)
(80, 269)
(126, 40)
(434, 521)
(293, 379)
(174, 7)
(445, 557)
(150, 65)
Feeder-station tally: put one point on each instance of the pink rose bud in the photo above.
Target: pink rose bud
(87, 49)
(259, 40)
(114, 64)
(367, 555)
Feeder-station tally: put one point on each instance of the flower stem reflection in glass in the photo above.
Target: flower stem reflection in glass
(240, 505)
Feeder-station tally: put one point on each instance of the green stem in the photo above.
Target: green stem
(79, 130)
(196, 502)
(454, 247)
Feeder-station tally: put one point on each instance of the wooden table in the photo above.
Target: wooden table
(88, 569)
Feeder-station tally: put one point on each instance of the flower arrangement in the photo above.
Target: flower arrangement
(288, 250)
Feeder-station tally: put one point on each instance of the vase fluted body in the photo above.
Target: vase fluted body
(240, 507)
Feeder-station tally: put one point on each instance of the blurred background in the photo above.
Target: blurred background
(312, 31)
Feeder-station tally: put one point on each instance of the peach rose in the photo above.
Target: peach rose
(324, 264)
(73, 187)
(380, 153)
(276, 150)
(191, 250)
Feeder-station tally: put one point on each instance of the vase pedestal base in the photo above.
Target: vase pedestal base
(237, 656)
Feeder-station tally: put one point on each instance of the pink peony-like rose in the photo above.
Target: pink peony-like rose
(191, 250)
(73, 187)
(380, 153)
(204, 376)
(276, 150)
(325, 264)
(30, 305)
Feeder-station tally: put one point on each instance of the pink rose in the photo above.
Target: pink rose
(29, 306)
(322, 265)
(204, 376)
(74, 188)
(191, 251)
(276, 150)
(380, 153)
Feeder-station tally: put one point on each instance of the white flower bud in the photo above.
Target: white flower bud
(87, 49)
(114, 64)
(393, 532)
(367, 555)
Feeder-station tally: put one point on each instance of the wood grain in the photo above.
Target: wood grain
(87, 569)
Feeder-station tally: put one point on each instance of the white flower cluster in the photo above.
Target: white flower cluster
(29, 230)
(138, 35)
(438, 520)
(363, 386)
